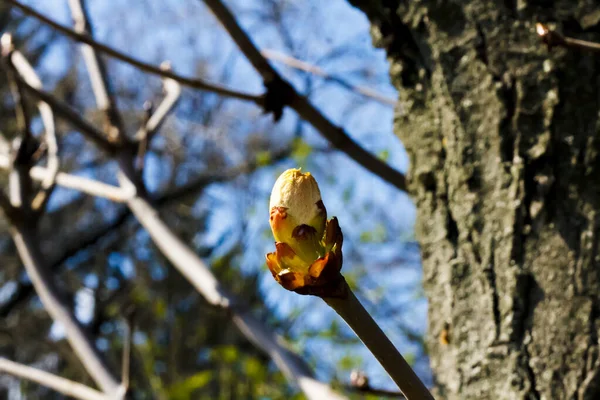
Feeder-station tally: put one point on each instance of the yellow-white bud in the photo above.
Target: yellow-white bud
(299, 194)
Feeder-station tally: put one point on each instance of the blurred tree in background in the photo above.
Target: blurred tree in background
(210, 169)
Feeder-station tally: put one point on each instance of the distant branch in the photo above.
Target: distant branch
(21, 112)
(79, 183)
(315, 70)
(96, 71)
(191, 82)
(51, 381)
(72, 116)
(26, 242)
(172, 91)
(29, 75)
(289, 96)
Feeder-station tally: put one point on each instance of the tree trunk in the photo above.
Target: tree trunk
(504, 143)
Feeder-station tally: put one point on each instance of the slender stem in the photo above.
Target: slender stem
(582, 44)
(365, 327)
(54, 382)
(172, 90)
(315, 70)
(552, 38)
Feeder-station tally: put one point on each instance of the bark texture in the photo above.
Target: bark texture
(504, 140)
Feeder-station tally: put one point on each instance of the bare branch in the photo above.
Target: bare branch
(97, 72)
(27, 246)
(125, 364)
(96, 68)
(22, 115)
(191, 82)
(29, 75)
(24, 235)
(315, 70)
(67, 113)
(336, 135)
(5, 204)
(79, 183)
(51, 381)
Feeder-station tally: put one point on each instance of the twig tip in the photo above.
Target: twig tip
(6, 42)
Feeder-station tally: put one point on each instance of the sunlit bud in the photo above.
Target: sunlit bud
(308, 248)
(298, 215)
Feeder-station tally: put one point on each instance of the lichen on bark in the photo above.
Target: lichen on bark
(503, 139)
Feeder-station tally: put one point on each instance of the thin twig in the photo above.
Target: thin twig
(191, 82)
(85, 185)
(172, 90)
(21, 112)
(29, 75)
(96, 71)
(72, 116)
(51, 381)
(552, 39)
(126, 362)
(315, 70)
(365, 327)
(142, 137)
(336, 135)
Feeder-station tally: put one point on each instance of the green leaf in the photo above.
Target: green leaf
(183, 390)
(377, 235)
(348, 193)
(383, 155)
(263, 158)
(350, 362)
(300, 150)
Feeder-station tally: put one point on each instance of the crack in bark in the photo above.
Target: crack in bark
(533, 392)
(508, 97)
(529, 287)
(490, 274)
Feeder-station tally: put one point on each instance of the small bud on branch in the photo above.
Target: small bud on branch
(553, 39)
(308, 256)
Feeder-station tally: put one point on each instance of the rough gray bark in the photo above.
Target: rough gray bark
(504, 142)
